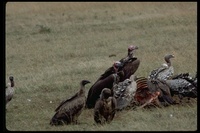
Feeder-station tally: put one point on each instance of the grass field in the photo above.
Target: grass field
(51, 47)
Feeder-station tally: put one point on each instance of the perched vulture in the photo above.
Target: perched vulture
(143, 95)
(164, 72)
(104, 110)
(69, 110)
(183, 85)
(10, 89)
(124, 92)
(95, 90)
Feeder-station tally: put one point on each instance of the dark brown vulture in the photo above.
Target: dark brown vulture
(164, 72)
(69, 110)
(128, 65)
(95, 90)
(104, 110)
(183, 85)
(10, 89)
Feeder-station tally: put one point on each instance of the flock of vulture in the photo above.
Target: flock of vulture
(118, 88)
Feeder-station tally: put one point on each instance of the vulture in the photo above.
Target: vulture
(183, 85)
(69, 110)
(104, 110)
(164, 72)
(114, 69)
(128, 65)
(95, 90)
(143, 95)
(124, 92)
(164, 91)
(10, 89)
(156, 81)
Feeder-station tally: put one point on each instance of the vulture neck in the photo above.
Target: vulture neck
(168, 62)
(130, 54)
(12, 83)
(81, 92)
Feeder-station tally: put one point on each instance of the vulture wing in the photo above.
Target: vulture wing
(69, 111)
(108, 72)
(97, 111)
(66, 101)
(95, 91)
(130, 68)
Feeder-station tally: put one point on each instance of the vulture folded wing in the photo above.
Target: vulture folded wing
(154, 74)
(130, 68)
(66, 101)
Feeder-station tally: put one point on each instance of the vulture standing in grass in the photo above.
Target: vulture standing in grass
(183, 85)
(104, 110)
(124, 92)
(69, 110)
(10, 89)
(95, 90)
(156, 80)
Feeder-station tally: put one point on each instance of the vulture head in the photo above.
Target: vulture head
(11, 83)
(11, 78)
(84, 82)
(131, 49)
(167, 58)
(105, 93)
(117, 65)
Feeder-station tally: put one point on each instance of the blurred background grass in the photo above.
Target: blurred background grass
(52, 46)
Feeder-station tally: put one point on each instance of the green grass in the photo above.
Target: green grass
(51, 47)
